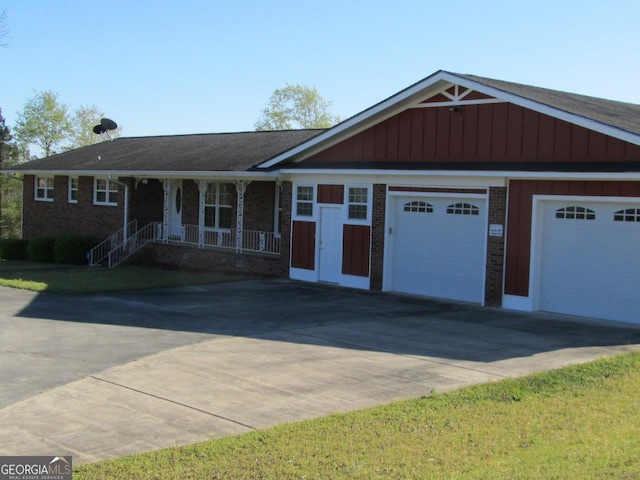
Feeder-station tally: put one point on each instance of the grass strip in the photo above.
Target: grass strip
(577, 422)
(79, 280)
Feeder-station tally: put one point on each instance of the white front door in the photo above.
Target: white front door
(175, 209)
(330, 244)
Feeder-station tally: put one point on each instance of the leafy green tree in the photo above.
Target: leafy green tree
(5, 138)
(296, 106)
(83, 120)
(10, 188)
(43, 121)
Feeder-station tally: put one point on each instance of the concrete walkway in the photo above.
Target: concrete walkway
(106, 375)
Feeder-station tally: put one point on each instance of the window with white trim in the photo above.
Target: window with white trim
(627, 215)
(418, 207)
(358, 200)
(304, 201)
(105, 192)
(462, 209)
(44, 189)
(73, 190)
(575, 213)
(218, 206)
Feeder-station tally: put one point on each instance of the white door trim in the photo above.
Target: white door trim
(320, 248)
(393, 196)
(537, 217)
(175, 216)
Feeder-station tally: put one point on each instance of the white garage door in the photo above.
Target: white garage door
(590, 260)
(438, 247)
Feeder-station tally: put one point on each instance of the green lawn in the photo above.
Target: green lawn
(580, 422)
(66, 279)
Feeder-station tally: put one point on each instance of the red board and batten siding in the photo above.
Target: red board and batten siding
(487, 132)
(356, 249)
(303, 245)
(521, 192)
(333, 194)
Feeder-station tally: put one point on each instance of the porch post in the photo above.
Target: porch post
(202, 191)
(241, 188)
(166, 187)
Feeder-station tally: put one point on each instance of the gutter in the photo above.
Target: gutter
(202, 174)
(125, 233)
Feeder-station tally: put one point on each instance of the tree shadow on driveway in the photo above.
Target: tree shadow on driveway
(54, 339)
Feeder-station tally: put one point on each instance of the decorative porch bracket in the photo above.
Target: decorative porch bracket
(241, 188)
(166, 187)
(202, 197)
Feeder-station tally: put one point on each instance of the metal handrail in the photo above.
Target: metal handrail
(100, 252)
(135, 242)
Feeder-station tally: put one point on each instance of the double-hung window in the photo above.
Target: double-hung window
(304, 201)
(105, 192)
(218, 205)
(44, 189)
(73, 190)
(358, 199)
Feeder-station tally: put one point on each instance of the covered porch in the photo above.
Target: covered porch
(238, 214)
(222, 222)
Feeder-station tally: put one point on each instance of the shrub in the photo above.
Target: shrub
(13, 249)
(72, 249)
(40, 249)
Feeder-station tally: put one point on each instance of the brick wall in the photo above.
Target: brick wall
(286, 204)
(377, 235)
(60, 216)
(258, 206)
(145, 205)
(146, 201)
(191, 257)
(495, 248)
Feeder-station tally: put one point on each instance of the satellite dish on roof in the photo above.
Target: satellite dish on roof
(108, 124)
(103, 128)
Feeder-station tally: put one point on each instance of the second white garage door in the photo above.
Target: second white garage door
(437, 247)
(590, 259)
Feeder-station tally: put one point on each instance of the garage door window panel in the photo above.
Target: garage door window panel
(575, 213)
(418, 207)
(628, 215)
(462, 209)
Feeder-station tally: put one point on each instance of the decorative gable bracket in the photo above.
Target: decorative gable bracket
(456, 95)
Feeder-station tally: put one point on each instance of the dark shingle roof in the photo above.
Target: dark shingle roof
(625, 116)
(180, 153)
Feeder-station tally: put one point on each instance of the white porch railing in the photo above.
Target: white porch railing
(116, 249)
(135, 242)
(99, 253)
(252, 240)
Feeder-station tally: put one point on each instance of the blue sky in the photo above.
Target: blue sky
(168, 67)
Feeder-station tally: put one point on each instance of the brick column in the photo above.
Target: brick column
(495, 248)
(285, 225)
(377, 235)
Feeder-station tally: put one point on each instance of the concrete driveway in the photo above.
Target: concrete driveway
(105, 375)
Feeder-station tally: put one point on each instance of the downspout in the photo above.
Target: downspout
(125, 234)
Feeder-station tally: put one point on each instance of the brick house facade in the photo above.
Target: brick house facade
(458, 187)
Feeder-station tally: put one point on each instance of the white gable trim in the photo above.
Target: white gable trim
(551, 111)
(410, 97)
